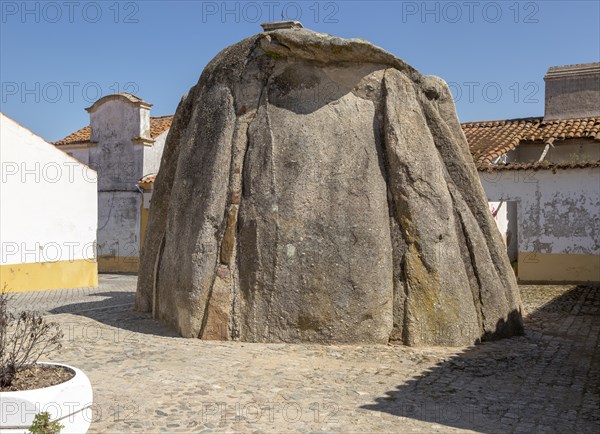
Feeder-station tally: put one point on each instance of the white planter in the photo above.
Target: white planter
(69, 403)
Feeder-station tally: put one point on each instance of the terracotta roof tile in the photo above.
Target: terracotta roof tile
(79, 136)
(158, 125)
(544, 165)
(148, 179)
(489, 140)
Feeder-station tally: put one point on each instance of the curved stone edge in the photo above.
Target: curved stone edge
(500, 288)
(321, 47)
(145, 300)
(222, 71)
(438, 301)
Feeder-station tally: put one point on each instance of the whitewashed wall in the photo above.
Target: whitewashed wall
(118, 156)
(153, 154)
(558, 215)
(79, 153)
(119, 224)
(48, 200)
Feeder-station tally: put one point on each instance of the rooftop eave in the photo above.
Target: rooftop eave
(75, 145)
(146, 141)
(543, 165)
(585, 69)
(125, 97)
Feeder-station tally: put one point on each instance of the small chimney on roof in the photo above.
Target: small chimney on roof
(278, 25)
(572, 91)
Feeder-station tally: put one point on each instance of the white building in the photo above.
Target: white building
(556, 219)
(48, 214)
(123, 144)
(544, 175)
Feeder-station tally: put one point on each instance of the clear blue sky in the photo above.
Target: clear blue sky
(57, 57)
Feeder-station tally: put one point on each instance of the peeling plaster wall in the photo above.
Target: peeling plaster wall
(118, 131)
(558, 220)
(116, 158)
(119, 230)
(119, 163)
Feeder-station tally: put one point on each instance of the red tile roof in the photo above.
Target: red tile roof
(158, 125)
(543, 165)
(148, 179)
(79, 136)
(489, 140)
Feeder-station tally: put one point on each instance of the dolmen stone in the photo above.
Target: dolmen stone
(319, 189)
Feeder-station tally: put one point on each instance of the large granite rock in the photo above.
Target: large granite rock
(320, 189)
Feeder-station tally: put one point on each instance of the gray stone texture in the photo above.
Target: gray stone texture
(317, 189)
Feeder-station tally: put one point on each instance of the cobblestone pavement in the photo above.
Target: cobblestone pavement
(114, 290)
(146, 379)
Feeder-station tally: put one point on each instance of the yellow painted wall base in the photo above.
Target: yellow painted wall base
(118, 264)
(558, 267)
(39, 276)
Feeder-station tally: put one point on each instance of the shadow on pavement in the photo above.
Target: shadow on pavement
(116, 310)
(545, 381)
(111, 300)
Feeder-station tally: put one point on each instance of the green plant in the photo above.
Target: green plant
(43, 425)
(24, 338)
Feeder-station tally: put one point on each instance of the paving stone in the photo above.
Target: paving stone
(146, 379)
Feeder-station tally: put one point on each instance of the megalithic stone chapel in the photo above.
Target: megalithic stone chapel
(319, 189)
